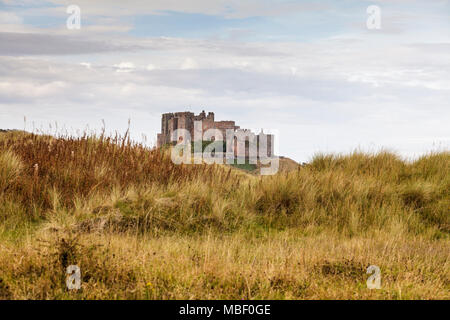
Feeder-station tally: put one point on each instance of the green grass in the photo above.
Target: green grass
(141, 227)
(244, 166)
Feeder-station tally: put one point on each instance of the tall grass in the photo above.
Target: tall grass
(10, 169)
(351, 193)
(80, 167)
(99, 200)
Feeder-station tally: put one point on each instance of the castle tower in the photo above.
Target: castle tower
(170, 122)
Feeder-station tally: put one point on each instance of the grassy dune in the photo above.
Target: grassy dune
(140, 227)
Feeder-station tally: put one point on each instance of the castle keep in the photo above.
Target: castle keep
(185, 120)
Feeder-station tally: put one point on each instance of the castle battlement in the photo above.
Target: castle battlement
(185, 120)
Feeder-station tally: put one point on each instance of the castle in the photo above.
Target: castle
(186, 120)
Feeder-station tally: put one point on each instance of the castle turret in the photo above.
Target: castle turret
(186, 120)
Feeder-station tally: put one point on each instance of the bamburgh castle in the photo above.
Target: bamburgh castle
(185, 120)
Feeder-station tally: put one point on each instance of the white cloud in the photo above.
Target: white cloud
(227, 8)
(9, 18)
(328, 94)
(125, 67)
(335, 102)
(28, 91)
(189, 64)
(49, 44)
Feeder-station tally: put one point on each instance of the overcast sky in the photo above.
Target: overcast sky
(311, 70)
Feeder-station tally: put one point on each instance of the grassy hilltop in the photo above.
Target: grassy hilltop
(140, 227)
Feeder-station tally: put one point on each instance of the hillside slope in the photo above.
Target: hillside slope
(141, 227)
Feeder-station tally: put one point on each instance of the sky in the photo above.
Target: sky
(311, 71)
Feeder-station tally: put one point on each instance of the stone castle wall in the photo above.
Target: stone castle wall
(185, 120)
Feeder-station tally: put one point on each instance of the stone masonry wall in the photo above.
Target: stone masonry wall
(185, 120)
